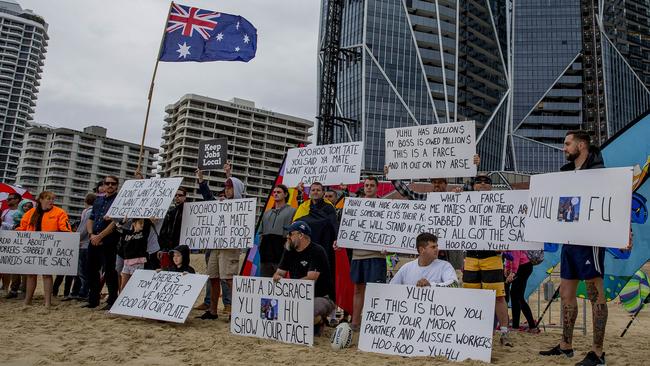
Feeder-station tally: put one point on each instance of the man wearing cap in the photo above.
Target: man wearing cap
(484, 270)
(307, 261)
(272, 232)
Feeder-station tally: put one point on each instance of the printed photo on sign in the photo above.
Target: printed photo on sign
(583, 207)
(269, 309)
(167, 296)
(431, 151)
(37, 252)
(327, 164)
(281, 311)
(227, 224)
(144, 198)
(568, 209)
(428, 321)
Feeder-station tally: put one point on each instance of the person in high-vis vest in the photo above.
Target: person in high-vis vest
(43, 217)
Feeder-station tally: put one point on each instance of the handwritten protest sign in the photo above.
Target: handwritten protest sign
(37, 252)
(144, 198)
(327, 164)
(281, 311)
(382, 224)
(582, 207)
(487, 220)
(431, 151)
(213, 154)
(428, 321)
(228, 224)
(167, 296)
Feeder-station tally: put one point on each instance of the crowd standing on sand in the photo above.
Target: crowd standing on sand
(301, 243)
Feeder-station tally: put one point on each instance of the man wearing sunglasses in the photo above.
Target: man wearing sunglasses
(272, 231)
(103, 246)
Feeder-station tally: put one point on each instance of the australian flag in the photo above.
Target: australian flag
(194, 34)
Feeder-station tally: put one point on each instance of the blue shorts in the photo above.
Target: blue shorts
(371, 270)
(582, 262)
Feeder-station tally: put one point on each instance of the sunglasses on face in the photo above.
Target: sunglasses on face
(110, 183)
(483, 181)
(180, 195)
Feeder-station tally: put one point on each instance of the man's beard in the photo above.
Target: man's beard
(571, 156)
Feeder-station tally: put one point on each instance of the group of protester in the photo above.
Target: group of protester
(301, 243)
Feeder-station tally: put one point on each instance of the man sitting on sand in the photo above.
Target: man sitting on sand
(305, 260)
(427, 269)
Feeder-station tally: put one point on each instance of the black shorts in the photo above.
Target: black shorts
(582, 262)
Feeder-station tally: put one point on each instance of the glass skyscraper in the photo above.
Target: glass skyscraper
(526, 71)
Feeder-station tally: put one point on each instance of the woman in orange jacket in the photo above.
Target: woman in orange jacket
(43, 217)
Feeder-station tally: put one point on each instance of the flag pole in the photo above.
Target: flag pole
(150, 95)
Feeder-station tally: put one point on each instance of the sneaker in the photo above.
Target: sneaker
(11, 295)
(89, 306)
(67, 298)
(505, 340)
(208, 316)
(533, 330)
(557, 351)
(592, 360)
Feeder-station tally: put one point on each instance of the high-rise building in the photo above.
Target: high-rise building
(526, 71)
(23, 42)
(258, 140)
(70, 163)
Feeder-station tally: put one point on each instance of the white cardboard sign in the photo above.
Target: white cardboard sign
(167, 296)
(227, 224)
(431, 151)
(282, 311)
(582, 207)
(428, 321)
(382, 224)
(486, 220)
(39, 252)
(144, 198)
(327, 164)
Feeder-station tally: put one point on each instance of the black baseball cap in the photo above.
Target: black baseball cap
(299, 226)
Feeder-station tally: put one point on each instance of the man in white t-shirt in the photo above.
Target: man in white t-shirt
(427, 269)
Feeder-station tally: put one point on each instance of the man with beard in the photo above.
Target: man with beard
(320, 216)
(306, 261)
(582, 263)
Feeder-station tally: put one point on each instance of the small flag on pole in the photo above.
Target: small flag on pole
(199, 35)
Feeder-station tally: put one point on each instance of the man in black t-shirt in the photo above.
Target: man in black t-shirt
(304, 260)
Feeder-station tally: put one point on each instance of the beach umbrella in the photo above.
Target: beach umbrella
(635, 292)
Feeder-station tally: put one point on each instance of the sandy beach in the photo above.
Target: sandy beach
(68, 335)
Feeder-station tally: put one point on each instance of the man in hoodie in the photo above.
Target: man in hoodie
(170, 231)
(581, 263)
(223, 264)
(272, 231)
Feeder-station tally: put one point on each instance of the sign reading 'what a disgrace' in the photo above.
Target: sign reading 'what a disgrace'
(227, 224)
(486, 220)
(427, 321)
(431, 151)
(327, 164)
(144, 198)
(582, 207)
(38, 252)
(167, 296)
(281, 311)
